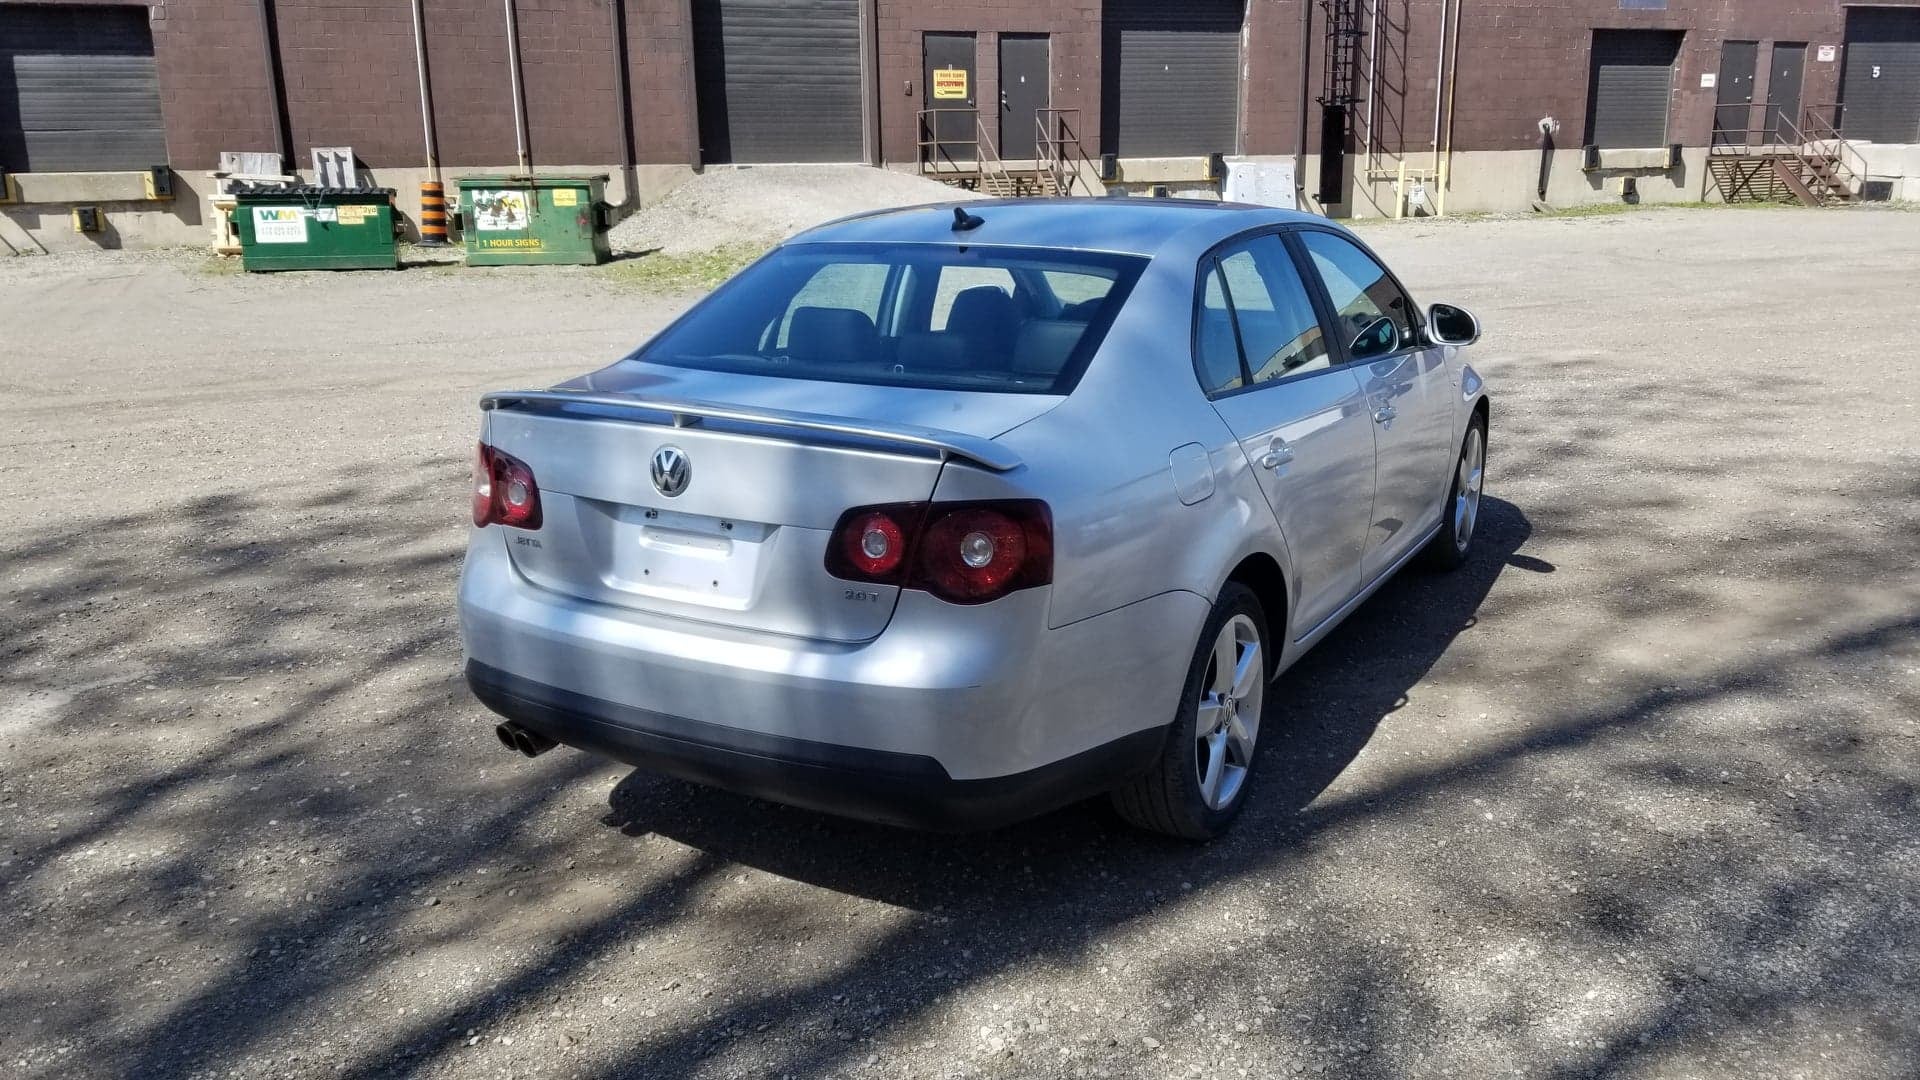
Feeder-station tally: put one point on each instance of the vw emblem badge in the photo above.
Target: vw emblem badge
(671, 470)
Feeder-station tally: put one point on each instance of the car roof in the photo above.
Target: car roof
(1137, 226)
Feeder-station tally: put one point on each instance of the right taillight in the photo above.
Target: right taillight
(504, 492)
(962, 552)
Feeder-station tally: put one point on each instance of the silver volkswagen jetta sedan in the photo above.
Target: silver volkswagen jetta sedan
(947, 516)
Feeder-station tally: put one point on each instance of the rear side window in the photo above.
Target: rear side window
(1216, 352)
(1008, 320)
(1256, 320)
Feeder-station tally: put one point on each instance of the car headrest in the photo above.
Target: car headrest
(836, 335)
(1043, 346)
(989, 319)
(1084, 311)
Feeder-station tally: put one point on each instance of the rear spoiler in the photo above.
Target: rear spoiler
(947, 444)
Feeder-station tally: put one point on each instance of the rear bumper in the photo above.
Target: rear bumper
(913, 790)
(982, 692)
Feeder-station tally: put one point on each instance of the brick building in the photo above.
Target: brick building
(1414, 105)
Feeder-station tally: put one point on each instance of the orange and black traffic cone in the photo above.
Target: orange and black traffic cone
(433, 213)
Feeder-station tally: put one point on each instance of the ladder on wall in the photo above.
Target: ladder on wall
(1339, 90)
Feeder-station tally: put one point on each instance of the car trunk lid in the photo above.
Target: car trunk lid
(742, 542)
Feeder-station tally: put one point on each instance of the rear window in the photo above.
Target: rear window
(1009, 320)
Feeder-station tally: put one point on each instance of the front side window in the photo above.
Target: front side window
(1370, 311)
(1009, 320)
(1256, 321)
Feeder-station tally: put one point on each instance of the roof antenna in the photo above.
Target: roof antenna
(965, 222)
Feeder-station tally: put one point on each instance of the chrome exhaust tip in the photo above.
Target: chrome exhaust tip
(528, 743)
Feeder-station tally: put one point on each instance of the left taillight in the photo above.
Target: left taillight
(504, 492)
(961, 552)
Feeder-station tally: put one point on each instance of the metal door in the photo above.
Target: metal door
(951, 88)
(78, 90)
(1170, 77)
(1413, 442)
(1733, 116)
(1882, 80)
(1307, 434)
(777, 80)
(1311, 447)
(1630, 87)
(1024, 82)
(1783, 90)
(1407, 394)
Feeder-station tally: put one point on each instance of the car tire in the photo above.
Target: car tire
(1452, 546)
(1217, 728)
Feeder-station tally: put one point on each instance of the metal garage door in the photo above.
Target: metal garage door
(1630, 86)
(78, 91)
(1171, 84)
(778, 80)
(1881, 87)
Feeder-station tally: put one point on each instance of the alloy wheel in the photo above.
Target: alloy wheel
(1229, 712)
(1466, 487)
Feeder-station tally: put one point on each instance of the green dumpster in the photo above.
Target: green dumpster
(534, 220)
(315, 228)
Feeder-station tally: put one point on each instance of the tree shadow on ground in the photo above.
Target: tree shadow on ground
(239, 694)
(1302, 750)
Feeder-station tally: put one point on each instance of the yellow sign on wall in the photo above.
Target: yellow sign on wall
(566, 196)
(949, 84)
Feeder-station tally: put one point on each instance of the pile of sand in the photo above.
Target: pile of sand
(729, 206)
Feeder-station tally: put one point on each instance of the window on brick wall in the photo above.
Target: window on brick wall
(78, 92)
(1630, 87)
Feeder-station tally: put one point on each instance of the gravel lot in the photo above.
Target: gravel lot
(1633, 795)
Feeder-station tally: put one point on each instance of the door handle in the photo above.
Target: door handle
(1385, 414)
(1278, 454)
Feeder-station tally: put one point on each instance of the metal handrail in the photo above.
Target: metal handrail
(933, 148)
(1826, 131)
(934, 153)
(1056, 141)
(1771, 116)
(989, 154)
(1750, 135)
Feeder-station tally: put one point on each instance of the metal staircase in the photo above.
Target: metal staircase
(1782, 159)
(955, 148)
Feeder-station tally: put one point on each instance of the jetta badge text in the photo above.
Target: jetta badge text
(671, 470)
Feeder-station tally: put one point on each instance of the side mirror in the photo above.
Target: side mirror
(1380, 337)
(1449, 325)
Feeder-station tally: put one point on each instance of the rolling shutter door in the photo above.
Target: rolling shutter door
(1630, 86)
(78, 91)
(1881, 87)
(778, 80)
(1172, 78)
